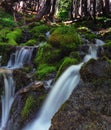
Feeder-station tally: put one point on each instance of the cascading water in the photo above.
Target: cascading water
(7, 98)
(22, 56)
(61, 92)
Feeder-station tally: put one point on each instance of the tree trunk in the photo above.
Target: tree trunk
(53, 9)
(94, 10)
(106, 7)
(44, 11)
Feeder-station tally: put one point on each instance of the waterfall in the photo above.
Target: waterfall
(7, 98)
(61, 91)
(22, 56)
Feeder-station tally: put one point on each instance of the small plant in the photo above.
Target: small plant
(27, 109)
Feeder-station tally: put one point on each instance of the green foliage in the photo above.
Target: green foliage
(27, 109)
(64, 8)
(66, 38)
(67, 61)
(43, 70)
(63, 15)
(14, 36)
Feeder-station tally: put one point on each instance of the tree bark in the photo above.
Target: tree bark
(44, 11)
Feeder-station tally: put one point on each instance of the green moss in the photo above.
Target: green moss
(27, 109)
(88, 34)
(65, 37)
(6, 20)
(75, 55)
(66, 63)
(4, 52)
(39, 31)
(47, 54)
(3, 33)
(108, 43)
(14, 36)
(44, 70)
(31, 42)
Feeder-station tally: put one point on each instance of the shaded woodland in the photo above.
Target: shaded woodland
(52, 9)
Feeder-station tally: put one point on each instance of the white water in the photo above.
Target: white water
(20, 57)
(7, 98)
(61, 91)
(17, 60)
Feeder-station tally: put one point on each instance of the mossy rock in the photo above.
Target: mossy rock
(47, 54)
(65, 37)
(27, 109)
(14, 36)
(88, 34)
(75, 55)
(6, 19)
(39, 30)
(4, 52)
(31, 42)
(67, 61)
(108, 43)
(44, 70)
(3, 34)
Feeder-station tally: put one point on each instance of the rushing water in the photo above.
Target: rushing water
(7, 98)
(22, 56)
(61, 91)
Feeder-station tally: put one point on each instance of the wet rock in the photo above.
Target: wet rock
(95, 69)
(86, 109)
(89, 106)
(26, 106)
(21, 79)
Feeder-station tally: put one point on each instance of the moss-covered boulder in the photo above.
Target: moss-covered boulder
(88, 107)
(14, 36)
(39, 32)
(3, 34)
(44, 70)
(31, 42)
(66, 38)
(47, 54)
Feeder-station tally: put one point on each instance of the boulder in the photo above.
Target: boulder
(89, 106)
